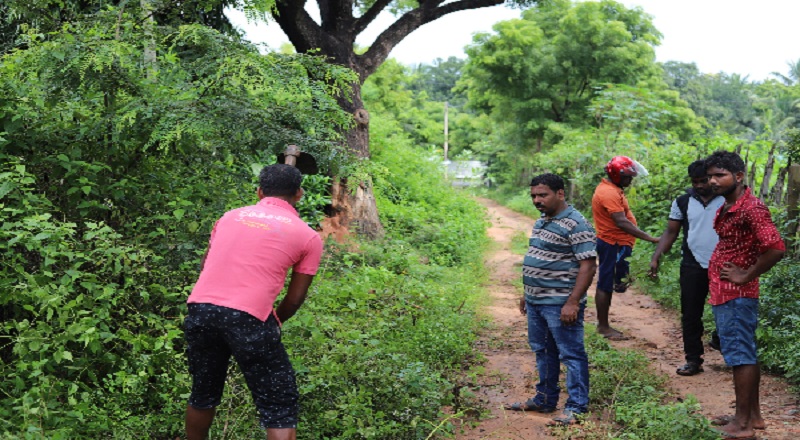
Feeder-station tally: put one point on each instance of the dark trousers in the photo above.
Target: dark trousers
(694, 293)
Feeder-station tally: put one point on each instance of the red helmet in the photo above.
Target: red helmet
(620, 166)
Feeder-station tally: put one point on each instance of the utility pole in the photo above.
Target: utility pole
(445, 130)
(150, 42)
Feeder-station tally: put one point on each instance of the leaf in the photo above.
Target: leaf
(6, 188)
(41, 236)
(178, 213)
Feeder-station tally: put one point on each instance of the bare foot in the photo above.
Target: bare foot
(724, 420)
(611, 333)
(734, 431)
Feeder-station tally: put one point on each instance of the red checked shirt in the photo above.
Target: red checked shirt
(745, 232)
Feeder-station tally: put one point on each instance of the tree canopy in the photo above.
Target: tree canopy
(547, 66)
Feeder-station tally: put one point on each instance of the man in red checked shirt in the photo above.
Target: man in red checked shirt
(749, 245)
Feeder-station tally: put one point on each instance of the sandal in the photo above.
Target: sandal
(690, 369)
(567, 418)
(530, 405)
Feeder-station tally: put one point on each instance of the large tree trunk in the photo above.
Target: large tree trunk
(353, 203)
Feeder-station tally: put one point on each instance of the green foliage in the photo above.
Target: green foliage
(653, 420)
(723, 101)
(389, 92)
(623, 381)
(793, 145)
(17, 16)
(315, 199)
(407, 199)
(83, 319)
(544, 67)
(439, 79)
(520, 201)
(779, 319)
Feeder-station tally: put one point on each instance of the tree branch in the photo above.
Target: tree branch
(409, 22)
(370, 15)
(304, 33)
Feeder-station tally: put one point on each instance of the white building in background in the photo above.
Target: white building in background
(465, 172)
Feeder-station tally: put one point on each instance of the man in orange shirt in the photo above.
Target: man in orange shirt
(616, 234)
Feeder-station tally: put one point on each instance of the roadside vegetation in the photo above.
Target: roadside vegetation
(629, 401)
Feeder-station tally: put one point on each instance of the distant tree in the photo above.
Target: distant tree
(546, 67)
(731, 103)
(439, 79)
(793, 76)
(679, 75)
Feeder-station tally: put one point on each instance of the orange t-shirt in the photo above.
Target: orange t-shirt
(608, 199)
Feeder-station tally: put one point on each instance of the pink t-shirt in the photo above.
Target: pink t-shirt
(250, 252)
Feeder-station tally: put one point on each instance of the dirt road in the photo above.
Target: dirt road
(510, 367)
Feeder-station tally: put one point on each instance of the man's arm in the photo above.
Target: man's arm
(569, 312)
(664, 245)
(203, 260)
(295, 295)
(623, 223)
(737, 275)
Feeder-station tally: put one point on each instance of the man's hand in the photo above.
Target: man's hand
(522, 308)
(653, 272)
(733, 273)
(569, 313)
(295, 295)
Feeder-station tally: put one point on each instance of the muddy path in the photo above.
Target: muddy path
(510, 370)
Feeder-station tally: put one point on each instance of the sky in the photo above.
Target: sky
(731, 36)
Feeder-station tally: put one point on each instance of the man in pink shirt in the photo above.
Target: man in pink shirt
(231, 306)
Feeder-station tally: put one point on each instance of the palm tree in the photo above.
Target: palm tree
(793, 76)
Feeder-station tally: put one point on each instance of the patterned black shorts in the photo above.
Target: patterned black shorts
(213, 334)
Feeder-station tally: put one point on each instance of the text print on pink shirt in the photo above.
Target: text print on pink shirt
(247, 213)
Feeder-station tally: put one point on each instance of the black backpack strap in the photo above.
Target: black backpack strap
(683, 205)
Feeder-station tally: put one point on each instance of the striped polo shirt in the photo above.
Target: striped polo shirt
(550, 267)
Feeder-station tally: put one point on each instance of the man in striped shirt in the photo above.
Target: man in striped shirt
(556, 273)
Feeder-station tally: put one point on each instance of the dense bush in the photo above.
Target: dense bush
(105, 211)
(779, 319)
